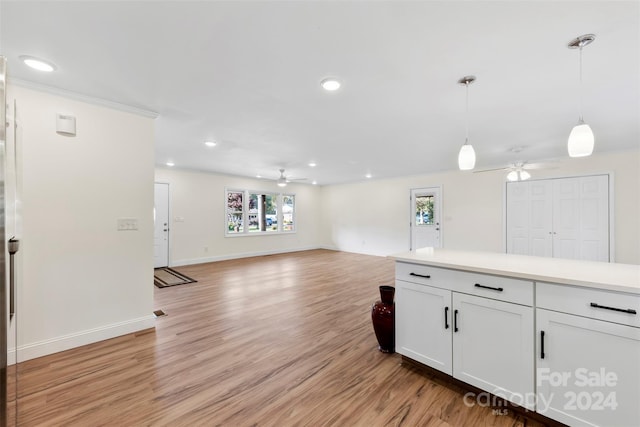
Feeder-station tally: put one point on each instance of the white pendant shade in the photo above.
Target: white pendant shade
(466, 157)
(581, 141)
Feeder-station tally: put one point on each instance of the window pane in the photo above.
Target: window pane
(234, 223)
(424, 210)
(288, 212)
(234, 202)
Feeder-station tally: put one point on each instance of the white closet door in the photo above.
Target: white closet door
(566, 218)
(541, 218)
(560, 218)
(518, 218)
(581, 218)
(529, 218)
(594, 218)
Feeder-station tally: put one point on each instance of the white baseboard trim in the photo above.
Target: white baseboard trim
(181, 262)
(66, 342)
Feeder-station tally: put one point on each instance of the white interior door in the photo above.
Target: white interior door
(426, 210)
(161, 225)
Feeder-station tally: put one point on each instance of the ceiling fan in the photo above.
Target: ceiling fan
(283, 180)
(518, 170)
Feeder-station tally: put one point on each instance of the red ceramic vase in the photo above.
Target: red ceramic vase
(383, 318)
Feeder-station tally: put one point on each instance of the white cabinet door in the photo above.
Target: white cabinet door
(423, 324)
(493, 347)
(588, 371)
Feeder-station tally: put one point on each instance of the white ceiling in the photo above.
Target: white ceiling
(246, 74)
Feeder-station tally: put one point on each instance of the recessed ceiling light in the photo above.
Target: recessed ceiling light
(258, 176)
(38, 64)
(315, 182)
(330, 84)
(210, 143)
(313, 164)
(170, 164)
(368, 175)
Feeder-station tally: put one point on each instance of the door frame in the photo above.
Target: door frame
(168, 217)
(438, 209)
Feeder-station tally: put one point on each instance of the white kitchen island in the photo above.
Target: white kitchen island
(559, 337)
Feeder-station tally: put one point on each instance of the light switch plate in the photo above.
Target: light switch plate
(127, 224)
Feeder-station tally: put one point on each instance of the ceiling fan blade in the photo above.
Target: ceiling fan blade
(491, 170)
(296, 179)
(533, 166)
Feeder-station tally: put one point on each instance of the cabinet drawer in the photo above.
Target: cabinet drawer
(424, 275)
(597, 304)
(495, 287)
(483, 285)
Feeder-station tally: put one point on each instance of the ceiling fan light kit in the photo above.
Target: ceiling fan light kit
(581, 139)
(467, 155)
(283, 180)
(518, 175)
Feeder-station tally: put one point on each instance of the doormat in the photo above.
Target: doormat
(165, 277)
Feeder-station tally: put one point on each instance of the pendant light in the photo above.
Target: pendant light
(467, 155)
(581, 139)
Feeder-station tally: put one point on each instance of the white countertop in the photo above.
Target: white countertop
(600, 275)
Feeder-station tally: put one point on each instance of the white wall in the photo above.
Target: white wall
(197, 199)
(373, 217)
(81, 280)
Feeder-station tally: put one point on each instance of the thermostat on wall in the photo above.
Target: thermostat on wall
(66, 124)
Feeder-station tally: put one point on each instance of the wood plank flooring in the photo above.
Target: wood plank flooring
(282, 340)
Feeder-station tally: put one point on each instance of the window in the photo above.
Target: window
(424, 210)
(234, 212)
(288, 208)
(263, 212)
(255, 213)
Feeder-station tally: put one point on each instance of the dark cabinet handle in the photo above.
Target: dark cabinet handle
(478, 285)
(541, 344)
(621, 310)
(419, 275)
(446, 317)
(12, 247)
(455, 320)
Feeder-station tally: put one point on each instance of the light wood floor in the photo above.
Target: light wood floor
(282, 340)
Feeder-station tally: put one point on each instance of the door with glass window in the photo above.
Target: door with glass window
(426, 208)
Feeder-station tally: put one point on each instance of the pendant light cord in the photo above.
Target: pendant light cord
(466, 139)
(581, 94)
